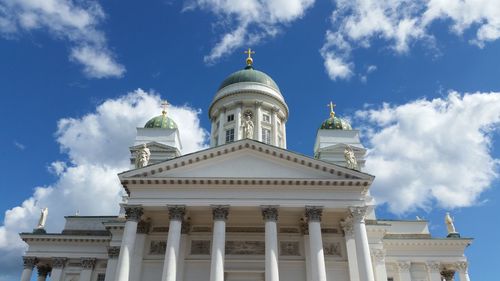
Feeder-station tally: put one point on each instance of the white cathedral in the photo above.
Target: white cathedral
(245, 209)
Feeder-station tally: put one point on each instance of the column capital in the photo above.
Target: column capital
(43, 270)
(133, 213)
(176, 212)
(270, 213)
(448, 274)
(220, 212)
(87, 263)
(378, 255)
(314, 213)
(113, 252)
(403, 266)
(358, 213)
(433, 266)
(59, 262)
(347, 226)
(29, 262)
(143, 226)
(462, 266)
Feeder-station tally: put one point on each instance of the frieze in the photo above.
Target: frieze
(157, 247)
(289, 248)
(144, 226)
(200, 247)
(242, 229)
(245, 247)
(289, 230)
(332, 249)
(160, 229)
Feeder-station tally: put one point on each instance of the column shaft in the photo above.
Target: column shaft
(404, 270)
(29, 264)
(351, 249)
(218, 251)
(237, 120)
(137, 256)
(270, 216)
(318, 268)
(258, 119)
(379, 266)
(274, 120)
(433, 271)
(133, 214)
(307, 254)
(26, 275)
(222, 121)
(362, 246)
(87, 267)
(176, 214)
(57, 268)
(463, 273)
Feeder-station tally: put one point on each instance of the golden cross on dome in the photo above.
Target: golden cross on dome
(332, 106)
(249, 58)
(164, 104)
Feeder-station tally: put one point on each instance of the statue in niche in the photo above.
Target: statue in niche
(350, 158)
(43, 218)
(449, 224)
(142, 157)
(247, 126)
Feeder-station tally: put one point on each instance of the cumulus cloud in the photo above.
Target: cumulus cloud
(248, 21)
(432, 152)
(75, 21)
(97, 148)
(356, 23)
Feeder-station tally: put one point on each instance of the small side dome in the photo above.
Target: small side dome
(161, 122)
(335, 123)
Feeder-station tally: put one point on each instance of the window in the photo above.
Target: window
(101, 277)
(266, 118)
(266, 136)
(230, 135)
(230, 117)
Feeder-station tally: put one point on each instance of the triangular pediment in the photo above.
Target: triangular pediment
(245, 159)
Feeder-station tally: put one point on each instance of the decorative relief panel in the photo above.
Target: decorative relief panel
(289, 248)
(245, 247)
(200, 247)
(332, 249)
(157, 247)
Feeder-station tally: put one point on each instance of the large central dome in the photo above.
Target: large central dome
(249, 75)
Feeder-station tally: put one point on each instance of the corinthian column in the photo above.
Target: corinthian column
(270, 216)
(362, 246)
(29, 264)
(433, 271)
(87, 267)
(133, 214)
(113, 253)
(347, 227)
(218, 242)
(57, 268)
(43, 271)
(404, 270)
(463, 273)
(379, 259)
(176, 214)
(318, 269)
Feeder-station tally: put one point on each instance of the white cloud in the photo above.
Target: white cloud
(432, 152)
(403, 22)
(97, 148)
(75, 21)
(19, 145)
(337, 68)
(249, 21)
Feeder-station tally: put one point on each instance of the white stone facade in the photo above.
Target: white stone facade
(245, 209)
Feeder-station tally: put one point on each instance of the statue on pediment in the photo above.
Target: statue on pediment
(142, 157)
(43, 218)
(350, 158)
(449, 224)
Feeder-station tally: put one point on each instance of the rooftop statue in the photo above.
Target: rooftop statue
(350, 158)
(142, 157)
(449, 224)
(43, 218)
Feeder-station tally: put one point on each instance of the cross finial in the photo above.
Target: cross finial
(332, 106)
(164, 104)
(249, 58)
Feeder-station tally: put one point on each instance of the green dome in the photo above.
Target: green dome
(249, 75)
(335, 123)
(162, 122)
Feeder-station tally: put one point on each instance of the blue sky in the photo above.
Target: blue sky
(74, 71)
